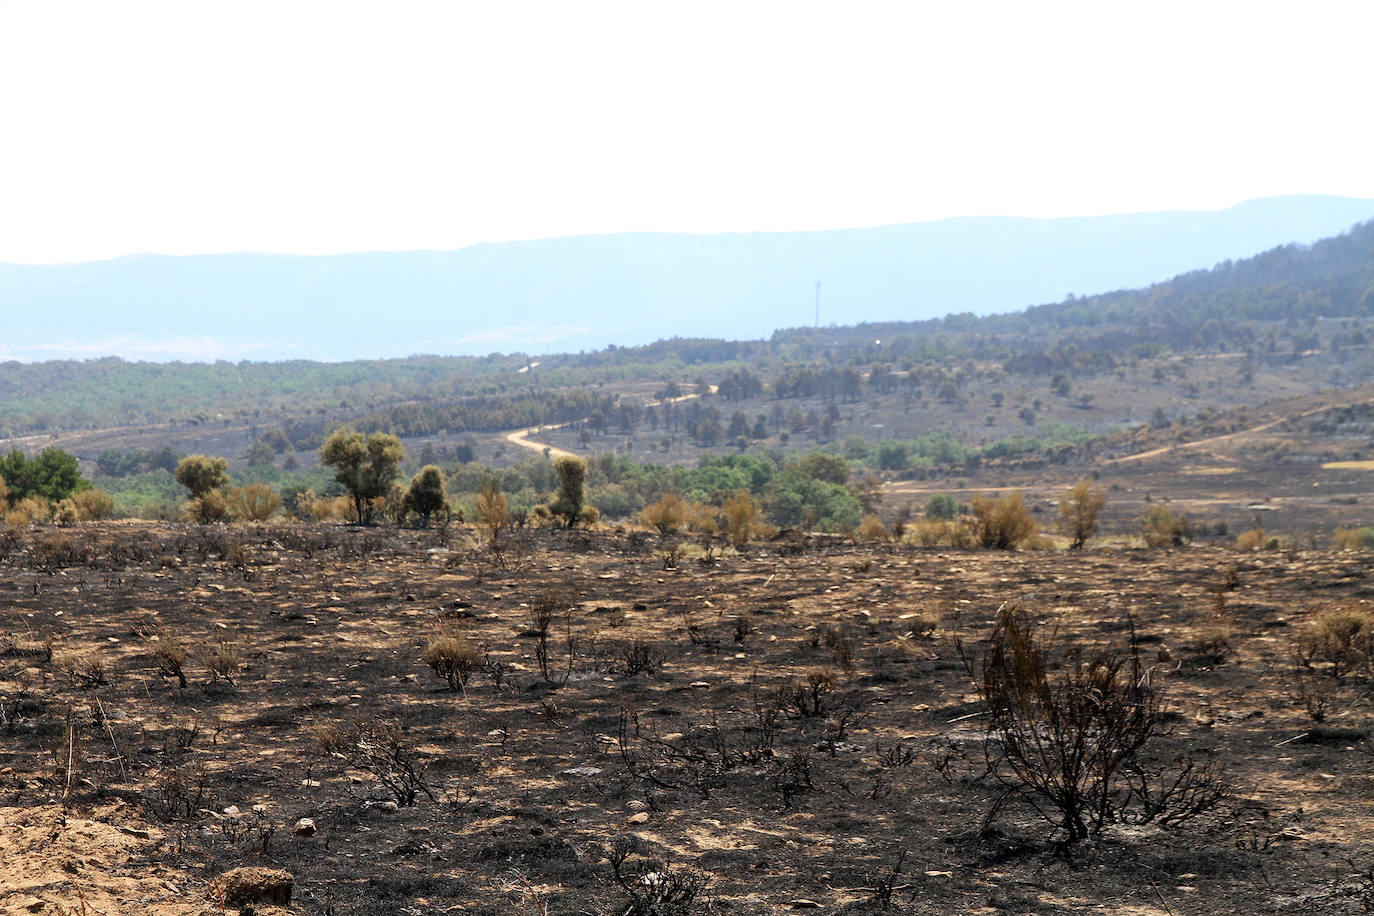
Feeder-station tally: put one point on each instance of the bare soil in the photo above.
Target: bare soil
(524, 786)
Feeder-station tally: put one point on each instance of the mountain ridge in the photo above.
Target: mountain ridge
(581, 292)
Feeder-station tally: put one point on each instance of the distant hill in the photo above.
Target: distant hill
(586, 292)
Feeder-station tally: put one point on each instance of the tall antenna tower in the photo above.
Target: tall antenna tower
(818, 303)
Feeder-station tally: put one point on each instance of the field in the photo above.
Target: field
(792, 727)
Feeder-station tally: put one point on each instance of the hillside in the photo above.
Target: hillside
(586, 292)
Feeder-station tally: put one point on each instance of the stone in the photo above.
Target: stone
(640, 818)
(252, 884)
(305, 827)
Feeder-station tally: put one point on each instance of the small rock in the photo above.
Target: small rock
(637, 806)
(582, 771)
(804, 904)
(139, 832)
(252, 885)
(305, 827)
(32, 905)
(640, 818)
(232, 811)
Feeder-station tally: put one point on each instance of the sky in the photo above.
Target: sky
(325, 127)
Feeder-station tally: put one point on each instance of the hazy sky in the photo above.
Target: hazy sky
(309, 127)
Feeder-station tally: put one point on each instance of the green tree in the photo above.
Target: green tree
(942, 506)
(366, 466)
(51, 476)
(426, 496)
(201, 473)
(572, 493)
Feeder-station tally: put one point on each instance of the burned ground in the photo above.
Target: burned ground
(790, 727)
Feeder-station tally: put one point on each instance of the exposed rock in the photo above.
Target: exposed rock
(305, 827)
(252, 885)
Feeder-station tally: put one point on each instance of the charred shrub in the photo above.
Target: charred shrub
(1067, 733)
(381, 749)
(652, 888)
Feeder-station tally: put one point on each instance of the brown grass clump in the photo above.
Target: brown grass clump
(452, 657)
(1002, 523)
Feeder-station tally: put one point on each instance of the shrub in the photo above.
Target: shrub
(1066, 732)
(206, 508)
(221, 660)
(871, 529)
(1163, 528)
(667, 514)
(1078, 512)
(941, 533)
(382, 750)
(452, 657)
(27, 511)
(741, 516)
(1342, 638)
(256, 502)
(493, 512)
(1353, 538)
(1001, 523)
(200, 474)
(92, 505)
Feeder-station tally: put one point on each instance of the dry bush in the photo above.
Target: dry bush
(667, 514)
(452, 656)
(871, 530)
(83, 669)
(1341, 639)
(84, 506)
(168, 652)
(256, 502)
(1078, 512)
(1161, 527)
(1353, 539)
(1254, 539)
(1002, 523)
(54, 550)
(741, 518)
(493, 510)
(941, 533)
(221, 660)
(701, 519)
(211, 506)
(27, 511)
